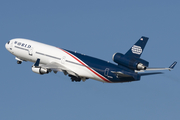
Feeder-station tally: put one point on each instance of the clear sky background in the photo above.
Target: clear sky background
(98, 28)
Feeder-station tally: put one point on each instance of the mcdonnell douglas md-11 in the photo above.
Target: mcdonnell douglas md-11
(46, 58)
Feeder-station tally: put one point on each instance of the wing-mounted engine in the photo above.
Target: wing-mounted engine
(132, 63)
(38, 69)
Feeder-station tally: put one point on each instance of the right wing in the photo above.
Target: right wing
(171, 67)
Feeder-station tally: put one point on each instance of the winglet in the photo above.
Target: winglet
(173, 65)
(37, 62)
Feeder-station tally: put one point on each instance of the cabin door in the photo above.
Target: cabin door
(106, 72)
(31, 51)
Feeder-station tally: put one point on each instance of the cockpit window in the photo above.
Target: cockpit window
(8, 42)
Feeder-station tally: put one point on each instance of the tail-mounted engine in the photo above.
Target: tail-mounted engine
(40, 70)
(132, 63)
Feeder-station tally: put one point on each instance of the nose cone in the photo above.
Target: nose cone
(6, 46)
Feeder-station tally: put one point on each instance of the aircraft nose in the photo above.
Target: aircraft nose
(6, 45)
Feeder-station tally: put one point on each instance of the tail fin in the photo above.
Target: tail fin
(137, 49)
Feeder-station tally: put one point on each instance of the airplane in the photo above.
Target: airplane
(46, 58)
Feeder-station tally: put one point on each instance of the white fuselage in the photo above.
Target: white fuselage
(28, 50)
(47, 58)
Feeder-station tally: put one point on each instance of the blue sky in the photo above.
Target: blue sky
(98, 28)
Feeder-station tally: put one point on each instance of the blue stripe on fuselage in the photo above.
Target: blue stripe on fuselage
(100, 65)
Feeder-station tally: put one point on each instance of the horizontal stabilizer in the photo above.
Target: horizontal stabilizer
(154, 73)
(120, 74)
(125, 74)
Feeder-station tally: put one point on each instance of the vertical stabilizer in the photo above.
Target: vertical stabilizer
(137, 49)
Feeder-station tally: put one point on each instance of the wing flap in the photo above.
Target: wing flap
(58, 67)
(154, 73)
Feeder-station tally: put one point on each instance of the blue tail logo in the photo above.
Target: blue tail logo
(137, 49)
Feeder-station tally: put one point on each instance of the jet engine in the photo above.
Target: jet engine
(40, 70)
(132, 63)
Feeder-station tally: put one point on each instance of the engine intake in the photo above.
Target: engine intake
(40, 70)
(132, 63)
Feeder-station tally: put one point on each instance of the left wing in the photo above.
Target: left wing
(54, 66)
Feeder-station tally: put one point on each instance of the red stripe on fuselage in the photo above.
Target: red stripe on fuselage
(103, 78)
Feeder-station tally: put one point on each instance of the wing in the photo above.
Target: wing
(171, 67)
(54, 66)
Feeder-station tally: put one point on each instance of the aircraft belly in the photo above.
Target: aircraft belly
(81, 68)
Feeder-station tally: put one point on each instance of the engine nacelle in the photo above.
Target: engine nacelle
(140, 66)
(132, 63)
(40, 70)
